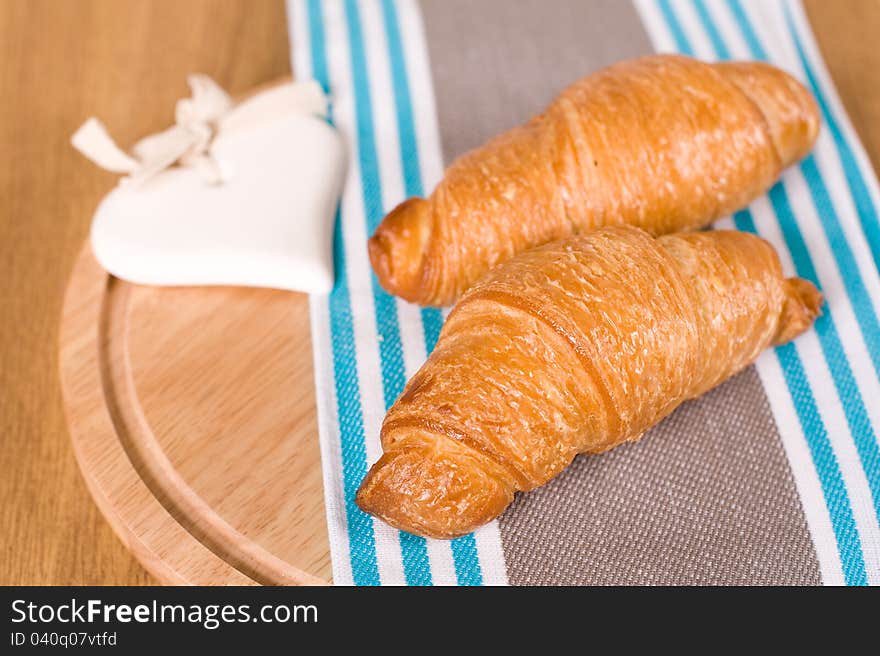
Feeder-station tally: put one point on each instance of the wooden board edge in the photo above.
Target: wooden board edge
(165, 548)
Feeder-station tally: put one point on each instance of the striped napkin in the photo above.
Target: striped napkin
(772, 478)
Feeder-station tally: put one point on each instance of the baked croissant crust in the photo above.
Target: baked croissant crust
(574, 347)
(665, 143)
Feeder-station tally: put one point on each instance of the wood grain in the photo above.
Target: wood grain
(125, 61)
(847, 32)
(192, 415)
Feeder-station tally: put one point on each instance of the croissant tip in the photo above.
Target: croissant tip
(788, 107)
(803, 304)
(364, 500)
(380, 495)
(397, 249)
(438, 491)
(808, 123)
(380, 258)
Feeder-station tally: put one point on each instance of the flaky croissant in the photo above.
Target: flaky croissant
(665, 143)
(573, 347)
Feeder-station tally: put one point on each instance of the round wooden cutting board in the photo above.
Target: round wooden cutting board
(192, 414)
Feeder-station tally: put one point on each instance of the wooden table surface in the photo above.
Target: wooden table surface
(126, 61)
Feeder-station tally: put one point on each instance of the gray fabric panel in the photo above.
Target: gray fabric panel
(708, 496)
(496, 63)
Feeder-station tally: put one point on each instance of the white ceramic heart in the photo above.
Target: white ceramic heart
(269, 224)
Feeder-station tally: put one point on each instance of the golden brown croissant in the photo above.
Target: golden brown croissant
(666, 143)
(573, 347)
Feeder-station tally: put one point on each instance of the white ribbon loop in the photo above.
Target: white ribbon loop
(198, 121)
(93, 141)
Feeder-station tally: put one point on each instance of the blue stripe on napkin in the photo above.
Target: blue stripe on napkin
(464, 549)
(365, 570)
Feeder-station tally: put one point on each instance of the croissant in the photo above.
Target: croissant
(573, 347)
(665, 143)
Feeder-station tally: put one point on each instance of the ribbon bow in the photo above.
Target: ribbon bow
(186, 143)
(198, 121)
